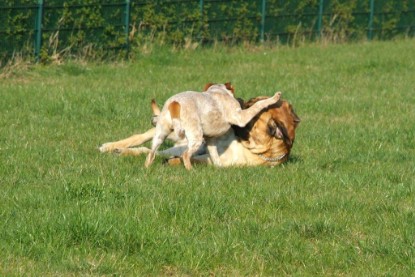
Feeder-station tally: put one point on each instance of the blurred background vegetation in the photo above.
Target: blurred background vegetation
(49, 30)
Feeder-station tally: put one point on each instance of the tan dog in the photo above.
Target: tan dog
(206, 115)
(265, 140)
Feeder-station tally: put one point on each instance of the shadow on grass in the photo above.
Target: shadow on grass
(294, 159)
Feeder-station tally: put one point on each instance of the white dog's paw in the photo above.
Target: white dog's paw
(277, 96)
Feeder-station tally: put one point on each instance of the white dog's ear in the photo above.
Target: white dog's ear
(229, 87)
(207, 86)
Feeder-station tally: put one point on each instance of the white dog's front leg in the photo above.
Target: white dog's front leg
(213, 153)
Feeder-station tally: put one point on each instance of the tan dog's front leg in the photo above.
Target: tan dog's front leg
(134, 140)
(213, 152)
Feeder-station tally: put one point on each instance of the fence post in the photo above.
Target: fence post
(200, 31)
(320, 17)
(127, 25)
(263, 14)
(370, 27)
(38, 29)
(201, 7)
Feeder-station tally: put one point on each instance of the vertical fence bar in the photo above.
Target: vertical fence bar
(370, 27)
(263, 15)
(201, 7)
(200, 34)
(320, 17)
(127, 25)
(38, 30)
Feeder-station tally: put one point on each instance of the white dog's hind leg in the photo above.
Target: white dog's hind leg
(195, 140)
(162, 131)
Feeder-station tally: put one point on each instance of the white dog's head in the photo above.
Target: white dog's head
(221, 87)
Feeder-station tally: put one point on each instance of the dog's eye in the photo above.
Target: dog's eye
(278, 133)
(272, 128)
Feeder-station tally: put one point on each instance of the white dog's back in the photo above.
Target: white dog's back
(202, 110)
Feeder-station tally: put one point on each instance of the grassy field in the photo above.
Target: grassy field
(343, 204)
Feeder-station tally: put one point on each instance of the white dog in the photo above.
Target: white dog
(203, 115)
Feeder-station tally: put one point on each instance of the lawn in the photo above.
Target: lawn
(342, 205)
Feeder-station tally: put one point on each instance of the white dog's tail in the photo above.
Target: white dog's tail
(155, 108)
(174, 109)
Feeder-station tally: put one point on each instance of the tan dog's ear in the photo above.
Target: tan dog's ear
(297, 120)
(273, 129)
(207, 86)
(229, 86)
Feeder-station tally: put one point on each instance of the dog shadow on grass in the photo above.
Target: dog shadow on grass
(294, 159)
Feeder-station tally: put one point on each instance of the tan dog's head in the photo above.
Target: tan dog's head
(273, 128)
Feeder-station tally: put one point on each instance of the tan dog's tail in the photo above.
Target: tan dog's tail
(174, 109)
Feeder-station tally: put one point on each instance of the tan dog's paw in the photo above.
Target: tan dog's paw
(106, 147)
(174, 161)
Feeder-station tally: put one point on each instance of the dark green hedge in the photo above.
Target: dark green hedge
(84, 27)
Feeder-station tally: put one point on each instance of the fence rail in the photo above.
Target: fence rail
(42, 26)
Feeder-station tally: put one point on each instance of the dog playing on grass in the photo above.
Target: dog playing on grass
(266, 140)
(199, 116)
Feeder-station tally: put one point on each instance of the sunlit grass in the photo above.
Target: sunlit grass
(343, 204)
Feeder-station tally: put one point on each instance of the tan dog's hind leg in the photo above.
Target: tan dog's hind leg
(132, 151)
(128, 142)
(135, 140)
(242, 117)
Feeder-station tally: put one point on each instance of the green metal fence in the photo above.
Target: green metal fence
(42, 27)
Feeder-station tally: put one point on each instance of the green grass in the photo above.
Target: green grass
(343, 204)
